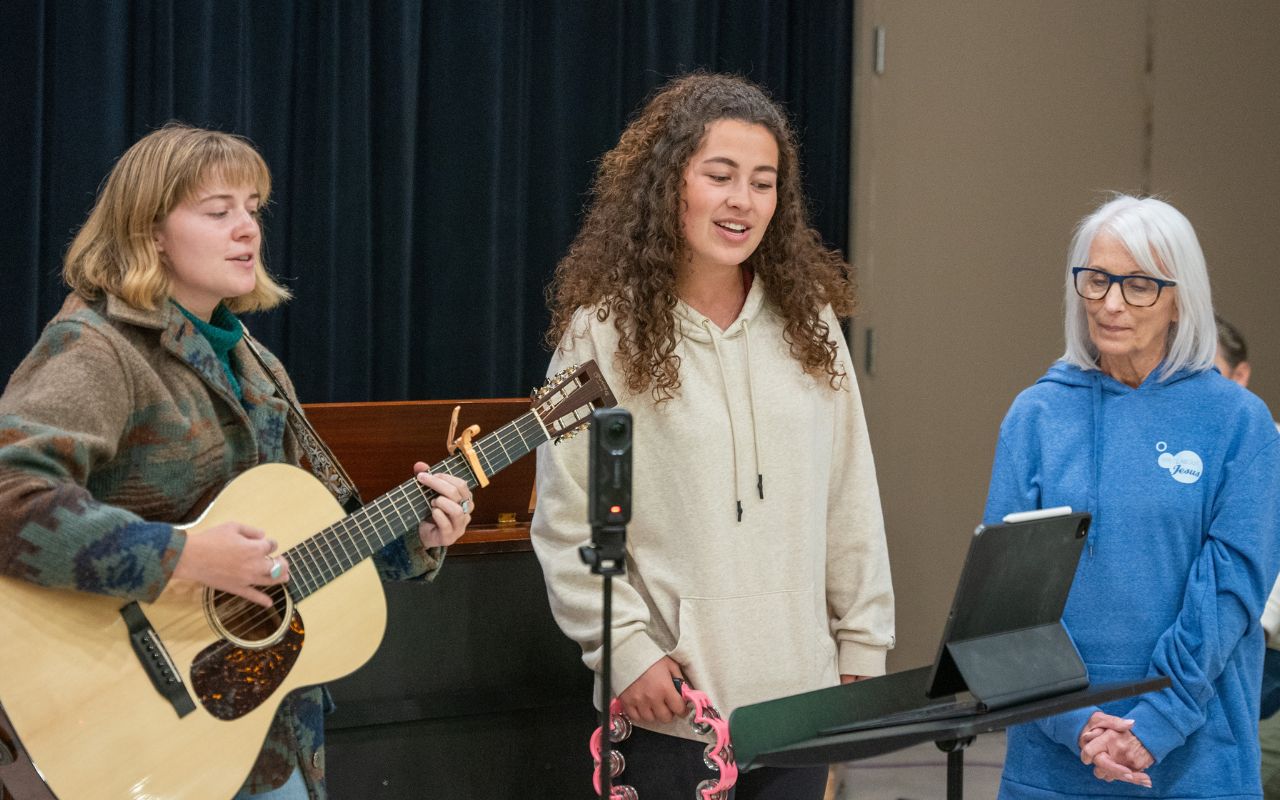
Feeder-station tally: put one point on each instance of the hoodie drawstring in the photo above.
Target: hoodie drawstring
(1097, 458)
(733, 431)
(751, 400)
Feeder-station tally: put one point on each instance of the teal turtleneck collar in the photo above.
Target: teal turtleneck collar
(223, 331)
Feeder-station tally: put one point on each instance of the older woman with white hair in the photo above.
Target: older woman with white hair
(1180, 468)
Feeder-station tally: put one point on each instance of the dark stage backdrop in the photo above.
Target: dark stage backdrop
(431, 160)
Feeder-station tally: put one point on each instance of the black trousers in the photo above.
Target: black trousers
(662, 767)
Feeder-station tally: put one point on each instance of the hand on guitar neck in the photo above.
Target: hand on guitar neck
(450, 510)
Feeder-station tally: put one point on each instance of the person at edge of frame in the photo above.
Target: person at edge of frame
(1233, 362)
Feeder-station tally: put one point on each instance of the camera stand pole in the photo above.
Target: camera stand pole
(606, 557)
(608, 511)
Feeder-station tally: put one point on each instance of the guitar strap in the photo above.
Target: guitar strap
(324, 464)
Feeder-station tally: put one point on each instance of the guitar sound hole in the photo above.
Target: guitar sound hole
(246, 623)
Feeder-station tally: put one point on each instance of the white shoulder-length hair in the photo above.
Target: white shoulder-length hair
(1162, 242)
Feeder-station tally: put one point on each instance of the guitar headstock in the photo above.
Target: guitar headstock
(565, 402)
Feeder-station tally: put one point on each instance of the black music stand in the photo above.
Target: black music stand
(1003, 645)
(788, 732)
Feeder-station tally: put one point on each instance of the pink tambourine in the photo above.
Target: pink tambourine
(718, 756)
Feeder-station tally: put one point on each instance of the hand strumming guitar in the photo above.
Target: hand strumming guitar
(233, 558)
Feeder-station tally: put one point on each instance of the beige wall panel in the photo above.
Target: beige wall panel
(1216, 156)
(994, 127)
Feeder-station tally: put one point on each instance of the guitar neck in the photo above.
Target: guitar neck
(325, 555)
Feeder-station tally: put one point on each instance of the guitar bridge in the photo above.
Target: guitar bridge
(155, 660)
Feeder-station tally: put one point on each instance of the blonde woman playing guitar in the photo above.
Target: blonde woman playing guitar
(140, 401)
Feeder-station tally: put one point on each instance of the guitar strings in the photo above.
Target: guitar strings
(320, 552)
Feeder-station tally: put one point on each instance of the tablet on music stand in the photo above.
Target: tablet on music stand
(1004, 642)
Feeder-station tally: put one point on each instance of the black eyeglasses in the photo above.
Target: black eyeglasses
(1137, 290)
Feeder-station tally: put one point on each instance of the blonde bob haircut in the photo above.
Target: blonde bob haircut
(115, 251)
(1162, 242)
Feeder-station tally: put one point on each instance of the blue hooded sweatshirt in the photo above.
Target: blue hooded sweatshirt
(1182, 476)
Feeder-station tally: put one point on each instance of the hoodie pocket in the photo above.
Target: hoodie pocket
(1216, 729)
(748, 649)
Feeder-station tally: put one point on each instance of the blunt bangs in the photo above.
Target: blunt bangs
(222, 158)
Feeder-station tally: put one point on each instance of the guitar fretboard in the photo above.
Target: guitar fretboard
(331, 552)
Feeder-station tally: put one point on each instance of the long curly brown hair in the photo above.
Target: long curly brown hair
(626, 256)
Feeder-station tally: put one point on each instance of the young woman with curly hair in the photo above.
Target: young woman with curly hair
(756, 559)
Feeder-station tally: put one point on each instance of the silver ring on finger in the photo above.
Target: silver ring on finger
(466, 506)
(277, 568)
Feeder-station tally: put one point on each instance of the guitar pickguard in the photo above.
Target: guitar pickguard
(231, 681)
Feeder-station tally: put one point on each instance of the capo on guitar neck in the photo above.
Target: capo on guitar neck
(463, 443)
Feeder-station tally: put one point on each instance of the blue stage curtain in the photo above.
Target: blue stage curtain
(431, 160)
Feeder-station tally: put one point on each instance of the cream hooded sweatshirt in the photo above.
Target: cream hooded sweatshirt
(756, 552)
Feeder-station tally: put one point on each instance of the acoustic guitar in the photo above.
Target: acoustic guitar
(173, 699)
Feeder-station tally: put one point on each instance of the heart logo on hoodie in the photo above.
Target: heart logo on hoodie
(1184, 466)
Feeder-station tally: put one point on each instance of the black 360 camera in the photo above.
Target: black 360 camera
(610, 468)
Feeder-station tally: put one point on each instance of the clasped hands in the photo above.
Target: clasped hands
(1109, 745)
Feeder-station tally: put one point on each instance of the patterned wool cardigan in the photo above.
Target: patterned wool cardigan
(120, 423)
